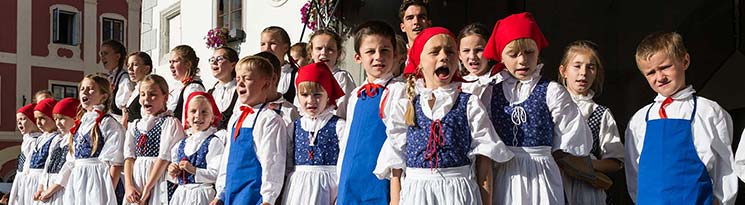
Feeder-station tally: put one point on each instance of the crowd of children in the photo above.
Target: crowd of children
(442, 119)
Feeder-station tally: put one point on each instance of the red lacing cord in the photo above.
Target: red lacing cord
(183, 172)
(310, 153)
(142, 142)
(435, 141)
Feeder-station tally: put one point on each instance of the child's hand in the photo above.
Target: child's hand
(131, 194)
(216, 202)
(37, 195)
(145, 198)
(45, 196)
(186, 165)
(173, 170)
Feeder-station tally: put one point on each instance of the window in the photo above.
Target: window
(229, 13)
(62, 91)
(112, 29)
(64, 27)
(174, 31)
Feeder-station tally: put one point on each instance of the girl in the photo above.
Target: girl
(439, 132)
(534, 117)
(49, 141)
(183, 64)
(139, 65)
(316, 139)
(95, 147)
(112, 56)
(223, 62)
(64, 118)
(22, 190)
(581, 72)
(326, 46)
(148, 145)
(472, 40)
(276, 40)
(299, 54)
(195, 160)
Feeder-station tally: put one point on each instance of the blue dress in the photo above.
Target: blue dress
(450, 145)
(325, 150)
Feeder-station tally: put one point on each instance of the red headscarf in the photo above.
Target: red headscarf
(67, 107)
(28, 111)
(513, 27)
(415, 52)
(321, 74)
(46, 106)
(215, 111)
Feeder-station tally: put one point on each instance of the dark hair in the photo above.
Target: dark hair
(407, 3)
(473, 29)
(373, 28)
(232, 56)
(300, 47)
(273, 60)
(334, 35)
(118, 48)
(283, 38)
(188, 54)
(144, 56)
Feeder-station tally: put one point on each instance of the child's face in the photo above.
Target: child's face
(177, 66)
(439, 61)
(25, 125)
(44, 122)
(222, 68)
(271, 43)
(472, 55)
(109, 58)
(324, 50)
(251, 87)
(90, 94)
(376, 56)
(579, 73)
(665, 74)
(64, 123)
(152, 99)
(415, 20)
(313, 103)
(200, 114)
(521, 64)
(136, 68)
(299, 59)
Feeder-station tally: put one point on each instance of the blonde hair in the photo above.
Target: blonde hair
(188, 55)
(335, 36)
(308, 87)
(669, 42)
(102, 84)
(410, 115)
(157, 80)
(587, 48)
(257, 64)
(521, 45)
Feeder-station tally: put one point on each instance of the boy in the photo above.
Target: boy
(247, 175)
(414, 18)
(678, 147)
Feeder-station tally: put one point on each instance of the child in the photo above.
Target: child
(439, 133)
(678, 148)
(64, 118)
(223, 68)
(183, 64)
(533, 116)
(112, 56)
(195, 159)
(582, 73)
(139, 65)
(23, 188)
(365, 132)
(401, 55)
(276, 41)
(41, 95)
(147, 150)
(326, 46)
(316, 139)
(95, 147)
(253, 176)
(46, 143)
(299, 54)
(472, 40)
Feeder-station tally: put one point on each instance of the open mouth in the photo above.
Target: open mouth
(379, 66)
(523, 70)
(147, 106)
(581, 82)
(84, 99)
(324, 60)
(311, 108)
(417, 29)
(242, 91)
(442, 72)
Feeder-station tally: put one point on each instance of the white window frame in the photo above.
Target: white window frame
(55, 10)
(167, 14)
(52, 46)
(62, 83)
(229, 11)
(114, 16)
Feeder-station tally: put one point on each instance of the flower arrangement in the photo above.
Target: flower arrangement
(311, 19)
(216, 37)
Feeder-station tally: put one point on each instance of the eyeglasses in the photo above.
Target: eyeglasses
(216, 59)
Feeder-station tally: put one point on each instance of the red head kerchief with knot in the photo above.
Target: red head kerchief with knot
(28, 111)
(321, 74)
(215, 111)
(513, 27)
(46, 106)
(67, 107)
(415, 52)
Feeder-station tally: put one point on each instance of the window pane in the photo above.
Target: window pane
(236, 4)
(221, 6)
(65, 27)
(118, 31)
(174, 31)
(235, 18)
(106, 27)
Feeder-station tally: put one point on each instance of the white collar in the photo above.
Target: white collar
(536, 75)
(286, 68)
(382, 80)
(159, 115)
(196, 136)
(586, 98)
(683, 94)
(229, 84)
(440, 92)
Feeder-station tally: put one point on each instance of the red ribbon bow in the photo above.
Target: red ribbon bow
(187, 80)
(435, 141)
(245, 112)
(370, 88)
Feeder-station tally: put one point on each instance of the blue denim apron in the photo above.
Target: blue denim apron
(243, 178)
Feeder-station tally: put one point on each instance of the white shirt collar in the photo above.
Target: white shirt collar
(536, 75)
(683, 94)
(382, 80)
(586, 98)
(197, 136)
(229, 84)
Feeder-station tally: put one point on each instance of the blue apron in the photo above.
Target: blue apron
(670, 171)
(243, 179)
(357, 183)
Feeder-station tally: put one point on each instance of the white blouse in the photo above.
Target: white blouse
(135, 93)
(346, 82)
(285, 79)
(712, 139)
(485, 140)
(571, 133)
(223, 94)
(740, 158)
(313, 124)
(610, 141)
(124, 88)
(268, 144)
(215, 148)
(112, 133)
(27, 147)
(175, 91)
(171, 133)
(479, 83)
